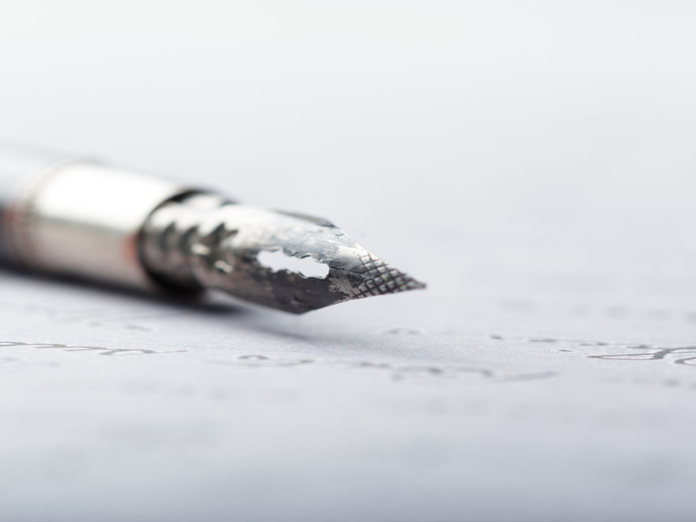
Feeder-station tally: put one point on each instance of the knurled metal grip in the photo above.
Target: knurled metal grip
(74, 217)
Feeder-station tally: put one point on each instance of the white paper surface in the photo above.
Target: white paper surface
(533, 163)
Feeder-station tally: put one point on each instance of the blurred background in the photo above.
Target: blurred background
(533, 162)
(494, 149)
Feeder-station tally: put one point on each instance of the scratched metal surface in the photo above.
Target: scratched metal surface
(533, 164)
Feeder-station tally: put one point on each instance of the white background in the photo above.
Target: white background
(487, 136)
(533, 162)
